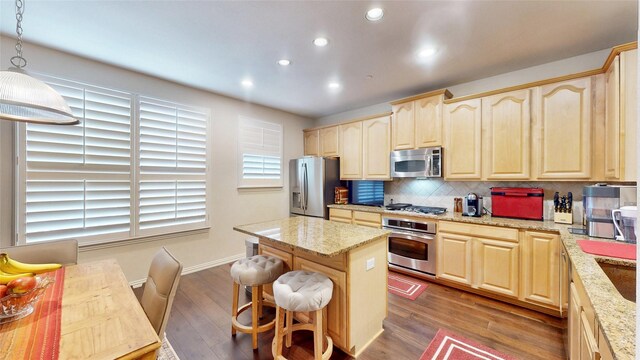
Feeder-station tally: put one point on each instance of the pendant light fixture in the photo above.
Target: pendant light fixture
(24, 98)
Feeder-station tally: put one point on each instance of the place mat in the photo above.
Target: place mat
(405, 286)
(603, 248)
(36, 336)
(449, 346)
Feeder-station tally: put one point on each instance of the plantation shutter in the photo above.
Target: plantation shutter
(172, 166)
(77, 178)
(259, 153)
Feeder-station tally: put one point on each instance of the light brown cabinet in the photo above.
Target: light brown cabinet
(362, 218)
(506, 123)
(454, 257)
(563, 144)
(376, 139)
(329, 141)
(341, 215)
(463, 149)
(497, 266)
(312, 143)
(428, 120)
(351, 151)
(540, 267)
(403, 126)
(612, 121)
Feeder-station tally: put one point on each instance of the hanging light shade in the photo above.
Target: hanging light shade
(24, 98)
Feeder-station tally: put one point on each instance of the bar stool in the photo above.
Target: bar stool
(255, 271)
(302, 291)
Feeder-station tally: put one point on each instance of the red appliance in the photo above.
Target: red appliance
(517, 203)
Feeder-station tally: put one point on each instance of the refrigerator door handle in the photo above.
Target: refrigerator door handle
(301, 179)
(306, 187)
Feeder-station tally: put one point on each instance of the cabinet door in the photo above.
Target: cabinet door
(573, 331)
(588, 345)
(497, 266)
(340, 215)
(463, 136)
(564, 149)
(329, 141)
(312, 143)
(454, 257)
(612, 121)
(367, 219)
(287, 260)
(506, 122)
(337, 308)
(403, 126)
(629, 113)
(541, 268)
(376, 136)
(428, 118)
(351, 151)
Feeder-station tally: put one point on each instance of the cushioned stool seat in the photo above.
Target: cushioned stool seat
(255, 271)
(302, 291)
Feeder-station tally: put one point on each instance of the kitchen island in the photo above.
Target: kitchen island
(353, 257)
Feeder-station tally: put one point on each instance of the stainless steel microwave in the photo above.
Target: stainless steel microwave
(419, 163)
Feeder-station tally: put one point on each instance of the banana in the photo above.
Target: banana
(10, 266)
(6, 278)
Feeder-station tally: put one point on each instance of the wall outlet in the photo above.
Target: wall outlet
(371, 263)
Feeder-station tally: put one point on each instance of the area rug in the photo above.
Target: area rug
(405, 286)
(166, 351)
(449, 346)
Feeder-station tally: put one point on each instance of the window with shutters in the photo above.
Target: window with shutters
(86, 182)
(259, 153)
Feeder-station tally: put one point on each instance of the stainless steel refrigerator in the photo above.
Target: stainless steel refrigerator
(312, 181)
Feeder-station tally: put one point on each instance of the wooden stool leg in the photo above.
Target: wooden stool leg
(289, 326)
(325, 322)
(254, 316)
(234, 305)
(279, 331)
(317, 335)
(260, 297)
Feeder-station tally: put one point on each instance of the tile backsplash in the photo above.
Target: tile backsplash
(437, 192)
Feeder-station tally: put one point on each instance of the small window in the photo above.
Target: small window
(259, 153)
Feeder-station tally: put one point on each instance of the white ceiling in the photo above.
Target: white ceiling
(213, 45)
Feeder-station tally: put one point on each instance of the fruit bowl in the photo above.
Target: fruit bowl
(17, 306)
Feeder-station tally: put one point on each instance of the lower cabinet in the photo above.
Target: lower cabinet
(341, 215)
(497, 266)
(541, 267)
(454, 257)
(361, 218)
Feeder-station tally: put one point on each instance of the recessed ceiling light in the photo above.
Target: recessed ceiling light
(428, 52)
(284, 62)
(320, 42)
(334, 85)
(374, 14)
(247, 83)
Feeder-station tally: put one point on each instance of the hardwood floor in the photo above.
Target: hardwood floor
(200, 325)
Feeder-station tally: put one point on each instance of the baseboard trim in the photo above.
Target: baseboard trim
(196, 268)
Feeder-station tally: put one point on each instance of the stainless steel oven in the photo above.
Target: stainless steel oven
(412, 245)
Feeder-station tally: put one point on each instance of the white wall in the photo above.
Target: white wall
(562, 67)
(230, 206)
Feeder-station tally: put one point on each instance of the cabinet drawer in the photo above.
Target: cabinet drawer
(491, 232)
(367, 219)
(340, 213)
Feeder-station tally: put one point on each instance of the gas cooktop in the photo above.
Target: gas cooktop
(400, 207)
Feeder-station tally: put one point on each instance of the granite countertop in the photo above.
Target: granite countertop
(616, 315)
(318, 236)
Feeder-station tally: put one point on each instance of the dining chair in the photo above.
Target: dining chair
(160, 289)
(63, 252)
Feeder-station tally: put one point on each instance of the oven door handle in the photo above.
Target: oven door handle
(411, 236)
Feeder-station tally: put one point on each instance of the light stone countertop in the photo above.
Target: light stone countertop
(318, 236)
(616, 315)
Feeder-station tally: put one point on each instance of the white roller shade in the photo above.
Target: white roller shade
(259, 153)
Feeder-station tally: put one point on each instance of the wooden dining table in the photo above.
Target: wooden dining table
(101, 317)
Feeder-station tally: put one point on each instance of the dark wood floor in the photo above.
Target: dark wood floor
(199, 327)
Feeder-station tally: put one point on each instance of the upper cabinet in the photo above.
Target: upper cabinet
(563, 144)
(620, 140)
(312, 143)
(417, 121)
(403, 126)
(462, 151)
(329, 141)
(376, 138)
(351, 151)
(506, 122)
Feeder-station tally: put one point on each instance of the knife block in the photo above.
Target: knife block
(563, 217)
